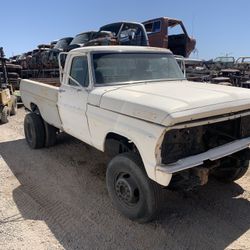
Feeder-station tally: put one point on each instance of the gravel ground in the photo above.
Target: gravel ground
(56, 198)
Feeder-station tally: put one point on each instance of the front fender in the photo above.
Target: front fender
(144, 135)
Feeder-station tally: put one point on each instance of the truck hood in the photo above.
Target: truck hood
(171, 102)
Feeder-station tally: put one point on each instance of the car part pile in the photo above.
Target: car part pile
(42, 62)
(221, 70)
(13, 72)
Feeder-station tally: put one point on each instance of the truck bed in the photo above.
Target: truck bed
(50, 81)
(43, 96)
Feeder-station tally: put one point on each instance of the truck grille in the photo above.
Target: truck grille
(181, 143)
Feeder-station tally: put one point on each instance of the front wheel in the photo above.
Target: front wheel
(131, 191)
(231, 170)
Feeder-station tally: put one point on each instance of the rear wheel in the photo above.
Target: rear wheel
(131, 191)
(50, 135)
(5, 114)
(34, 130)
(231, 170)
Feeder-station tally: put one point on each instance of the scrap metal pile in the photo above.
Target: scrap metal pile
(160, 32)
(13, 73)
(222, 70)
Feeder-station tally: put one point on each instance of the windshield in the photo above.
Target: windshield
(114, 28)
(117, 68)
(224, 59)
(63, 43)
(82, 38)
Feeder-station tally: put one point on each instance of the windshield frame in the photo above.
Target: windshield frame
(132, 81)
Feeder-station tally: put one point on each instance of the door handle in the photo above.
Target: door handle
(62, 90)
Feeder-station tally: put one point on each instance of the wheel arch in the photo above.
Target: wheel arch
(34, 108)
(115, 143)
(143, 150)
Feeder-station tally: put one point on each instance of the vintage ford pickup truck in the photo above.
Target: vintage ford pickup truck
(160, 129)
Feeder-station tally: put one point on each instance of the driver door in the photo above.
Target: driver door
(73, 97)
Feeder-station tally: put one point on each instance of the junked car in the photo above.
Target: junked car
(124, 33)
(49, 58)
(170, 33)
(81, 39)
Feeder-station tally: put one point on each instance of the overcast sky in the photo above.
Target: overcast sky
(220, 27)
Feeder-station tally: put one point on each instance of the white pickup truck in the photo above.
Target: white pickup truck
(160, 129)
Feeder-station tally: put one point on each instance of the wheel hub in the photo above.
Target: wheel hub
(126, 190)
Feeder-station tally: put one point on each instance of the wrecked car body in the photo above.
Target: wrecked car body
(81, 40)
(49, 57)
(169, 33)
(121, 33)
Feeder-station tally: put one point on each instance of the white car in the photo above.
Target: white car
(135, 104)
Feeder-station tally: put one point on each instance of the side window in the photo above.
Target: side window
(175, 30)
(79, 71)
(149, 27)
(157, 26)
(153, 27)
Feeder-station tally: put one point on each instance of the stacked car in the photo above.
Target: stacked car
(14, 72)
(43, 61)
(221, 70)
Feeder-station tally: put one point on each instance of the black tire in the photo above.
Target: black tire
(13, 75)
(34, 130)
(50, 135)
(131, 191)
(231, 170)
(5, 114)
(13, 109)
(13, 68)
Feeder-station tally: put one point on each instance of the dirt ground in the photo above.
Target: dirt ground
(56, 198)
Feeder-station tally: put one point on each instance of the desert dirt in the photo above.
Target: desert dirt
(56, 198)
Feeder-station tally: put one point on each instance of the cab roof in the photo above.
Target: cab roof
(118, 48)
